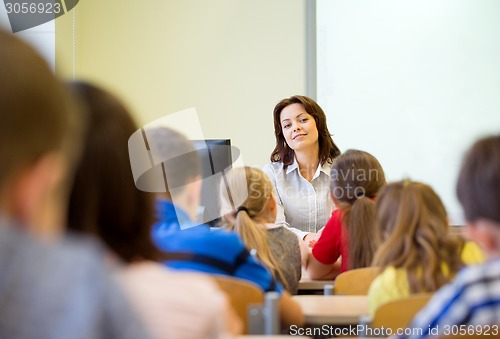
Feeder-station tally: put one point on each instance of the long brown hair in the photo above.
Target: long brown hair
(104, 200)
(413, 220)
(251, 189)
(327, 148)
(356, 178)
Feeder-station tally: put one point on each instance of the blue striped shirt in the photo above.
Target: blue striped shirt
(473, 298)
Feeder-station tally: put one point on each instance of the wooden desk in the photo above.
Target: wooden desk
(306, 284)
(314, 285)
(333, 309)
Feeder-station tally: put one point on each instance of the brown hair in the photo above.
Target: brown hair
(38, 115)
(355, 180)
(327, 148)
(413, 219)
(104, 200)
(250, 188)
(479, 180)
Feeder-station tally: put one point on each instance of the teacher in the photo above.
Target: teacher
(300, 165)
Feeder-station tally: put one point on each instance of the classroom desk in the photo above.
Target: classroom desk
(333, 309)
(309, 286)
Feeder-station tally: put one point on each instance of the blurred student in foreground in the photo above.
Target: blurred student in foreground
(105, 202)
(50, 287)
(473, 298)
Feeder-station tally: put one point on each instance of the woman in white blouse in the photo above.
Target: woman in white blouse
(300, 165)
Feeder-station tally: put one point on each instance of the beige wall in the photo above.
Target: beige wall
(231, 59)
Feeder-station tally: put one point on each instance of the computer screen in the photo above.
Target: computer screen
(215, 156)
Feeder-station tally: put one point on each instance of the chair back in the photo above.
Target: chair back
(241, 293)
(399, 313)
(356, 281)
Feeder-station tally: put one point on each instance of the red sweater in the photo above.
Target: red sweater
(333, 242)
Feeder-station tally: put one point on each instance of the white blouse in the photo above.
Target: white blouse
(302, 205)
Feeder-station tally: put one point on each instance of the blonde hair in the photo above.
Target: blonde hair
(245, 194)
(413, 219)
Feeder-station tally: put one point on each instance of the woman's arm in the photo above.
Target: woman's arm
(305, 251)
(303, 236)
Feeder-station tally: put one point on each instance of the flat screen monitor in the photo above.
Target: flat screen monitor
(215, 156)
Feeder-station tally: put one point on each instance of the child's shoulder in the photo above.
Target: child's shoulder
(472, 253)
(488, 272)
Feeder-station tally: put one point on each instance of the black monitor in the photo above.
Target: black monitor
(215, 156)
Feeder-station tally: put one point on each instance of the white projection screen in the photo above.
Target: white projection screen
(414, 82)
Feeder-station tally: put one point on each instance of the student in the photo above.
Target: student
(177, 200)
(50, 287)
(253, 219)
(199, 248)
(300, 165)
(472, 300)
(418, 254)
(105, 203)
(356, 178)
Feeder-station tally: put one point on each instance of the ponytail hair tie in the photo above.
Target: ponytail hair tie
(360, 194)
(241, 208)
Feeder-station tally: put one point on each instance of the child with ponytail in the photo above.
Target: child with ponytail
(355, 180)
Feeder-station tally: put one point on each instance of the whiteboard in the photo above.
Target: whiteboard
(413, 82)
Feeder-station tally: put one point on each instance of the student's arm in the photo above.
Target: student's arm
(319, 271)
(322, 262)
(291, 312)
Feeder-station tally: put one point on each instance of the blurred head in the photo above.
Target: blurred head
(39, 137)
(414, 223)
(181, 167)
(478, 190)
(355, 175)
(355, 180)
(411, 210)
(104, 200)
(300, 122)
(478, 186)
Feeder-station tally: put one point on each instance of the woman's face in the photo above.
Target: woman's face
(298, 127)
